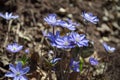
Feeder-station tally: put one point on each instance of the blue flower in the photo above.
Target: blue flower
(17, 72)
(44, 33)
(78, 39)
(53, 37)
(72, 23)
(58, 41)
(63, 42)
(8, 16)
(14, 47)
(93, 61)
(51, 20)
(69, 24)
(74, 65)
(27, 51)
(55, 60)
(90, 17)
(108, 48)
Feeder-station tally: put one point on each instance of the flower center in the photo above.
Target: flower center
(18, 73)
(66, 43)
(77, 39)
(14, 48)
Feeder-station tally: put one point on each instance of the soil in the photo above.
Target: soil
(27, 30)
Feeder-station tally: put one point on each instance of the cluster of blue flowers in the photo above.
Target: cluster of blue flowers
(17, 72)
(52, 21)
(68, 41)
(72, 39)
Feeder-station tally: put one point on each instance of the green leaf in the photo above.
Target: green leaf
(24, 59)
(81, 64)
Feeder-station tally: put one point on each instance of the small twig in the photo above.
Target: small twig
(13, 57)
(86, 24)
(7, 34)
(42, 39)
(17, 31)
(105, 62)
(53, 30)
(34, 21)
(3, 70)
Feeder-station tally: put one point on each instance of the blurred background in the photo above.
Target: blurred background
(31, 23)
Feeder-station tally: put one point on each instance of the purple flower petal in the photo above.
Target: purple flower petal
(108, 48)
(16, 78)
(25, 70)
(55, 60)
(93, 61)
(19, 66)
(10, 74)
(63, 42)
(68, 24)
(74, 65)
(27, 51)
(23, 78)
(12, 68)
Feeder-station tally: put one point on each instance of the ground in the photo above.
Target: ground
(27, 30)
